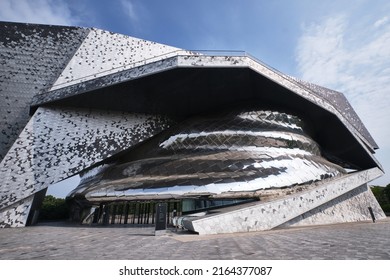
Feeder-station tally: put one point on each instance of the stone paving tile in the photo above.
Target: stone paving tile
(362, 240)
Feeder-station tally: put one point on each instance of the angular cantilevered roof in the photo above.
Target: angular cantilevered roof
(118, 72)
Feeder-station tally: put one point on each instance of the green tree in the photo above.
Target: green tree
(382, 194)
(54, 209)
(386, 193)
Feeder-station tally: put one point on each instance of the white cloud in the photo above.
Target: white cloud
(37, 11)
(356, 62)
(381, 22)
(320, 51)
(129, 10)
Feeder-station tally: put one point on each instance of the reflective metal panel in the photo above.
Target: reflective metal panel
(224, 155)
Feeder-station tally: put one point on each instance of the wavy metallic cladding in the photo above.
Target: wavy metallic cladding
(222, 156)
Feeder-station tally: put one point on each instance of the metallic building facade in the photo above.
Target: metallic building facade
(146, 122)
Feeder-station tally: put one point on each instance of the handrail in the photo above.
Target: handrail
(133, 64)
(216, 53)
(171, 54)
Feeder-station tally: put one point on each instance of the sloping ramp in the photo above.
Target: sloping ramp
(334, 201)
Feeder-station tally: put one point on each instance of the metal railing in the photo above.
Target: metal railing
(176, 53)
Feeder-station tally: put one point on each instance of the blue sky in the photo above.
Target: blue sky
(343, 45)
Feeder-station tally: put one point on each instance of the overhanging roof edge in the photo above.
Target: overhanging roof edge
(105, 81)
(203, 61)
(308, 94)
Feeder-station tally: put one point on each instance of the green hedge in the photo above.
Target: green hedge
(53, 209)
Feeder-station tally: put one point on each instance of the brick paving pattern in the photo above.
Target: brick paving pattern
(363, 240)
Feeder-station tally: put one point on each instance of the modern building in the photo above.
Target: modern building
(228, 142)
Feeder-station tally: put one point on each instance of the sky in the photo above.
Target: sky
(343, 45)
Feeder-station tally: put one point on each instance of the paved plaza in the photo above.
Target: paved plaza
(363, 240)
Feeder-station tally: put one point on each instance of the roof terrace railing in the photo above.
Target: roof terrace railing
(176, 53)
(217, 53)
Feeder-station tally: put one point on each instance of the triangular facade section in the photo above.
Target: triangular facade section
(103, 53)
